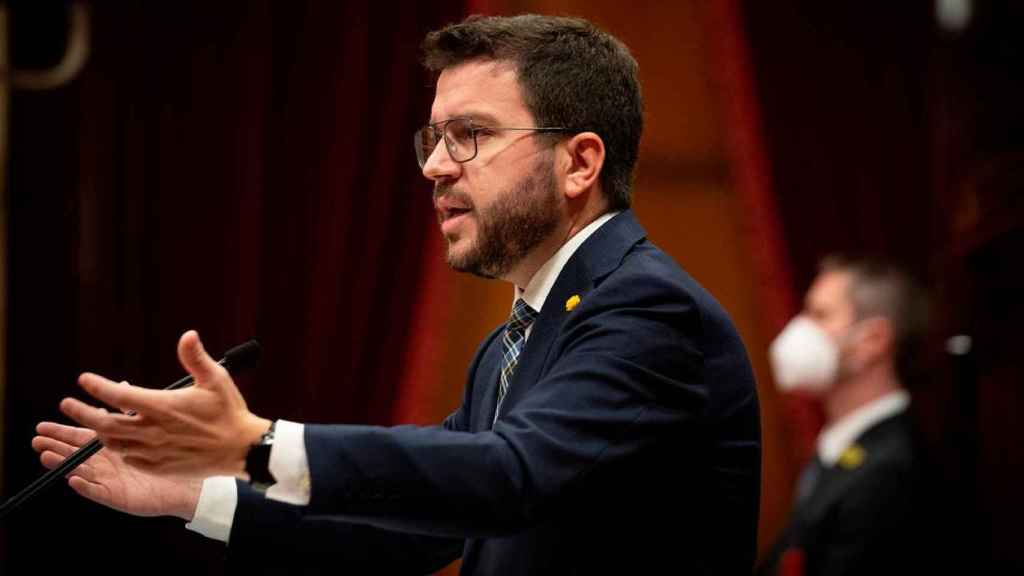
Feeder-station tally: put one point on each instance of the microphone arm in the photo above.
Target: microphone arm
(236, 360)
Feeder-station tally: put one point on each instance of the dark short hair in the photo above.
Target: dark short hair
(879, 287)
(572, 74)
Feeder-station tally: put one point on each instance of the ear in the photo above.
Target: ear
(877, 337)
(586, 158)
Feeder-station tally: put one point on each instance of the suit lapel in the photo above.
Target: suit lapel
(545, 330)
(827, 489)
(595, 258)
(837, 479)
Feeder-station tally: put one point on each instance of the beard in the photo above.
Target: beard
(519, 219)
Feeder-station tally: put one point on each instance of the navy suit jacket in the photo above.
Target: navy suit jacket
(629, 440)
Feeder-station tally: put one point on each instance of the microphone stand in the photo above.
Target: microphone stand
(236, 360)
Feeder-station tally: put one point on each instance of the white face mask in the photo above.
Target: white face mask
(804, 357)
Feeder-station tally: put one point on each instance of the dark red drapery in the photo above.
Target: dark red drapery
(242, 168)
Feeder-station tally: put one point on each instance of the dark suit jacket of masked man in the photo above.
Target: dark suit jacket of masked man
(629, 440)
(862, 515)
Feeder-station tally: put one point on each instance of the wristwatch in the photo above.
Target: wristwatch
(257, 461)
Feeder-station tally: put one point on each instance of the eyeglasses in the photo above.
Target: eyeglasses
(459, 135)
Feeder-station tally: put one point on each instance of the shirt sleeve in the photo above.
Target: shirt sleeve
(289, 465)
(215, 511)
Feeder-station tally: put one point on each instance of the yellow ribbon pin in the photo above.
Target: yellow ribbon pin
(852, 457)
(572, 302)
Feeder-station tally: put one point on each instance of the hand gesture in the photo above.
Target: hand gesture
(106, 479)
(202, 430)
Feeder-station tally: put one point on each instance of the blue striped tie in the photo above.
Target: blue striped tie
(512, 344)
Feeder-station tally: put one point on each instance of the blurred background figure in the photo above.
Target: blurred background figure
(857, 339)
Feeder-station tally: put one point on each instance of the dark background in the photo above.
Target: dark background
(241, 168)
(888, 135)
(245, 169)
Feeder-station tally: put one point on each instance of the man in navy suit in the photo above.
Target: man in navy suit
(610, 425)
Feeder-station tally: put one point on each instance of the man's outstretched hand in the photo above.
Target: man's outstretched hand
(106, 479)
(202, 430)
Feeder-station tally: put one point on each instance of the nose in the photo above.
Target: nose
(439, 164)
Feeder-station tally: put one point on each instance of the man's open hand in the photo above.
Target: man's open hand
(202, 430)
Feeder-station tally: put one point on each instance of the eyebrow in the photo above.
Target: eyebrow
(481, 117)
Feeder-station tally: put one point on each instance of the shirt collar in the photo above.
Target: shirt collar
(536, 292)
(837, 437)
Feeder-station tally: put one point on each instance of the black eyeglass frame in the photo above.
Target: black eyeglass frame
(441, 128)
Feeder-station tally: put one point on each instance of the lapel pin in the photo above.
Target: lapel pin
(852, 457)
(572, 302)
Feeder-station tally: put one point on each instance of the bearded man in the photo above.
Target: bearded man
(610, 426)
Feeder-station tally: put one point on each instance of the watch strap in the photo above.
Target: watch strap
(257, 461)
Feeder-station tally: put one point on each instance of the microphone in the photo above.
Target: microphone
(236, 360)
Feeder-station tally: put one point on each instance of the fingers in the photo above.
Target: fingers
(53, 452)
(43, 443)
(52, 460)
(72, 435)
(127, 411)
(103, 422)
(121, 396)
(95, 492)
(197, 362)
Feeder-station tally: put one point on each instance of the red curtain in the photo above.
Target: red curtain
(241, 168)
(887, 133)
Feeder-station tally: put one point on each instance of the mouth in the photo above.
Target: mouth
(451, 217)
(453, 208)
(449, 212)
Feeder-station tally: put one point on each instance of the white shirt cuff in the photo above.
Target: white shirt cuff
(288, 465)
(215, 511)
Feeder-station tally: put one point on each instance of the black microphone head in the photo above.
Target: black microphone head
(243, 357)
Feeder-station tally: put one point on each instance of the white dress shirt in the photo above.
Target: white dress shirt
(837, 437)
(288, 464)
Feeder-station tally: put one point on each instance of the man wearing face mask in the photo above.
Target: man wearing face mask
(852, 347)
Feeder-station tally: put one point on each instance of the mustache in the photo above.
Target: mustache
(448, 190)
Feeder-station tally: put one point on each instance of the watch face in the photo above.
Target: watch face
(257, 465)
